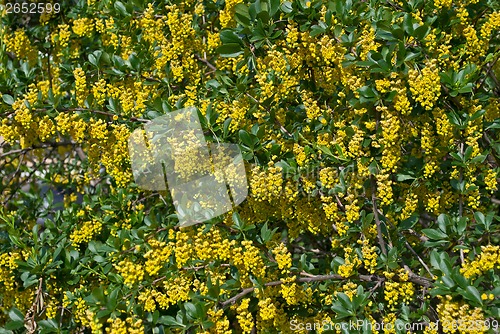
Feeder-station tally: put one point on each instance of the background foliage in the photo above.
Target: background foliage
(370, 129)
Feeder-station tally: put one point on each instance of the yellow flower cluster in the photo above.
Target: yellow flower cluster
(23, 115)
(332, 213)
(328, 177)
(490, 179)
(491, 25)
(99, 91)
(488, 259)
(398, 292)
(425, 85)
(283, 258)
(220, 320)
(83, 315)
(351, 263)
(430, 167)
(432, 204)
(349, 288)
(112, 151)
(131, 325)
(352, 209)
(291, 293)
(383, 85)
(131, 272)
(109, 37)
(157, 256)
(355, 144)
(61, 37)
(70, 123)
(267, 309)
(98, 129)
(266, 185)
(369, 256)
(8, 132)
(460, 316)
(391, 126)
(473, 45)
(426, 139)
(313, 111)
(227, 14)
(444, 128)
(244, 317)
(177, 289)
(46, 128)
(274, 79)
(83, 27)
(410, 206)
(384, 188)
(86, 232)
(213, 41)
(440, 4)
(300, 154)
(367, 41)
(80, 86)
(248, 259)
(7, 279)
(19, 44)
(236, 110)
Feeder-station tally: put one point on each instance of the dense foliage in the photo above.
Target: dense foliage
(370, 132)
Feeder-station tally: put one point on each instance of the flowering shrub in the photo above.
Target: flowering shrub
(370, 132)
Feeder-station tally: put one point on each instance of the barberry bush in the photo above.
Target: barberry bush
(370, 131)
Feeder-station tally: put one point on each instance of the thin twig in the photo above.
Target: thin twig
(206, 62)
(410, 248)
(380, 237)
(34, 147)
(317, 278)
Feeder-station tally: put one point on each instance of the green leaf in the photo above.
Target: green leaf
(120, 8)
(266, 233)
(434, 234)
(472, 294)
(316, 30)
(479, 216)
(443, 222)
(190, 310)
(230, 50)
(466, 89)
(238, 223)
(245, 138)
(461, 225)
(404, 177)
(408, 222)
(274, 6)
(421, 32)
(170, 321)
(242, 15)
(287, 7)
(367, 91)
(228, 36)
(8, 99)
(16, 315)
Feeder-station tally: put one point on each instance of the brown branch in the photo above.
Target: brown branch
(34, 147)
(489, 67)
(410, 248)
(146, 78)
(223, 265)
(380, 237)
(454, 99)
(206, 62)
(318, 278)
(134, 119)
